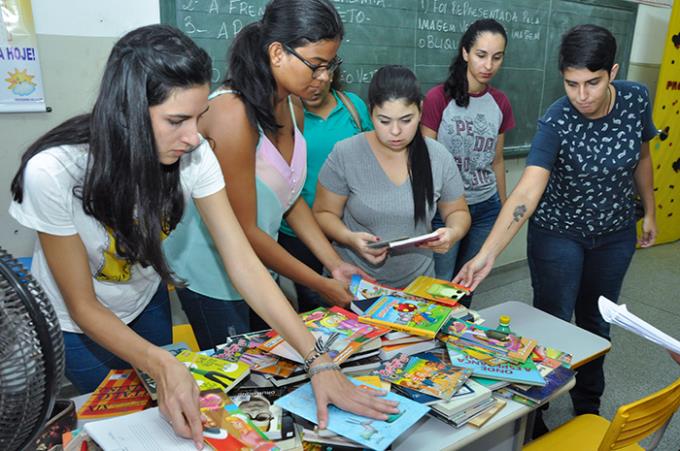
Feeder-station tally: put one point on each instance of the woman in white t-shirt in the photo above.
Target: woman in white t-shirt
(103, 190)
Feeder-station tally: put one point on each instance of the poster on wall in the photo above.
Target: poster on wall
(21, 86)
(665, 148)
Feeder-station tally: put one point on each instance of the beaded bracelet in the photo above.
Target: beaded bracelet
(323, 367)
(321, 347)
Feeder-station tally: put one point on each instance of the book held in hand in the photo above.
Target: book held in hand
(437, 290)
(373, 434)
(402, 242)
(364, 289)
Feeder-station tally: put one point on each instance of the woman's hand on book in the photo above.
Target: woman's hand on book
(474, 271)
(335, 292)
(444, 241)
(359, 241)
(344, 271)
(333, 387)
(178, 397)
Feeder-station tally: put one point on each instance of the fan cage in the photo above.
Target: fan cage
(31, 355)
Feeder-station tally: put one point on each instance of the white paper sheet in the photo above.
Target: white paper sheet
(141, 431)
(619, 315)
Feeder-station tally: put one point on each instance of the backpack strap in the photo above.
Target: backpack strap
(351, 108)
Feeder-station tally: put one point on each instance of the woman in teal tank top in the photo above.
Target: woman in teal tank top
(330, 116)
(254, 130)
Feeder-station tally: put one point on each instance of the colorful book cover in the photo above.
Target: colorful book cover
(373, 434)
(323, 322)
(245, 348)
(431, 377)
(498, 343)
(226, 428)
(437, 290)
(416, 317)
(211, 373)
(149, 383)
(551, 357)
(120, 393)
(523, 373)
(554, 380)
(363, 289)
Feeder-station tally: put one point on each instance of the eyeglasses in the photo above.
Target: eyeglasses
(317, 69)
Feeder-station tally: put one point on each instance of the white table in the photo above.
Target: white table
(507, 429)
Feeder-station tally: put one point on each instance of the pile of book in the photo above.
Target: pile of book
(418, 344)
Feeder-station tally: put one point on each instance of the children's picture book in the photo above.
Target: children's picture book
(211, 373)
(258, 405)
(524, 373)
(431, 377)
(245, 348)
(120, 393)
(551, 357)
(500, 344)
(554, 380)
(363, 289)
(227, 428)
(322, 323)
(149, 383)
(373, 434)
(437, 290)
(416, 317)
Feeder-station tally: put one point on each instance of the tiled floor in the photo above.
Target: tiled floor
(634, 367)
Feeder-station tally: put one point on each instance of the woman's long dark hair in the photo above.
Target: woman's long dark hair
(291, 22)
(399, 83)
(125, 187)
(456, 85)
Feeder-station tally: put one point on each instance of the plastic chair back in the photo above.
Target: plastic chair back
(636, 421)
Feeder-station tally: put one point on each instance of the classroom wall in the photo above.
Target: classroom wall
(74, 40)
(75, 37)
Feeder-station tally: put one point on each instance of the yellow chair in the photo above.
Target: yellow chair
(632, 423)
(184, 332)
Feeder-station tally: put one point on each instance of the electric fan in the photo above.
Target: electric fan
(31, 355)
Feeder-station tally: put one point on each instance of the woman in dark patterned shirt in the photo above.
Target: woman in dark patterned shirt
(589, 157)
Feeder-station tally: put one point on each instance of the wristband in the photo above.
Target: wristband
(321, 347)
(323, 367)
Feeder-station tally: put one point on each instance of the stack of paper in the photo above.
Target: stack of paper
(619, 315)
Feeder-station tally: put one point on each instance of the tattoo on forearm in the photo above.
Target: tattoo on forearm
(518, 214)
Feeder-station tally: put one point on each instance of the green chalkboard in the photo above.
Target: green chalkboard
(424, 34)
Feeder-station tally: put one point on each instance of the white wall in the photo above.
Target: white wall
(74, 40)
(75, 37)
